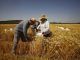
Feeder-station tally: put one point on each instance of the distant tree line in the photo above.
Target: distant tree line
(10, 22)
(17, 21)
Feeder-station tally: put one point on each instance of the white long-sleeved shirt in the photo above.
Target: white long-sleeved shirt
(44, 27)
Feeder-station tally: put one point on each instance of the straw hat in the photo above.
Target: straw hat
(43, 18)
(33, 19)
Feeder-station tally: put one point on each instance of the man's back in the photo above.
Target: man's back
(20, 26)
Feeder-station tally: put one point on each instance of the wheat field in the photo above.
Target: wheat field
(64, 44)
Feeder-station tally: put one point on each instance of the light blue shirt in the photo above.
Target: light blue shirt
(23, 27)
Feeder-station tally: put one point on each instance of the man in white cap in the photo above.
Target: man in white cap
(21, 32)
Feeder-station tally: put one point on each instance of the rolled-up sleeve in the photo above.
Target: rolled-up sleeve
(38, 27)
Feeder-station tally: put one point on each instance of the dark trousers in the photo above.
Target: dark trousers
(48, 35)
(17, 36)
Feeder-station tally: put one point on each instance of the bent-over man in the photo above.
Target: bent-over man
(21, 32)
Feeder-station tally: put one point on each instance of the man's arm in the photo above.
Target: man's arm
(38, 28)
(25, 28)
(46, 27)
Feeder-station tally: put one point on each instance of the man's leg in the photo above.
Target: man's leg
(22, 37)
(15, 41)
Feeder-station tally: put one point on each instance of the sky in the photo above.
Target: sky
(55, 10)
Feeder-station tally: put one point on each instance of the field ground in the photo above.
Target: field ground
(62, 45)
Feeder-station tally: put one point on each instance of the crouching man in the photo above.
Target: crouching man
(21, 32)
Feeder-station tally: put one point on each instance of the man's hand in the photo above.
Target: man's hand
(38, 30)
(28, 37)
(42, 32)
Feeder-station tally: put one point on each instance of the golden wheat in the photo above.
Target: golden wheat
(62, 45)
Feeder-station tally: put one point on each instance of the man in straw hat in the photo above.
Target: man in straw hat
(21, 32)
(44, 27)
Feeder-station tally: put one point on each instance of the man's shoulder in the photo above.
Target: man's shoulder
(25, 20)
(47, 21)
(22, 22)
